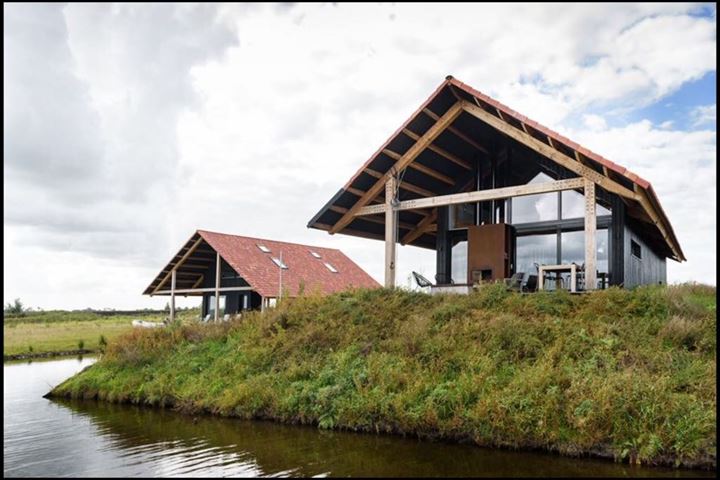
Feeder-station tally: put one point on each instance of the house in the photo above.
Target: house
(234, 273)
(495, 193)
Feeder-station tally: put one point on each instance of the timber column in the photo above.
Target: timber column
(390, 230)
(590, 227)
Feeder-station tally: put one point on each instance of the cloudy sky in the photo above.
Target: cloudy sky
(127, 127)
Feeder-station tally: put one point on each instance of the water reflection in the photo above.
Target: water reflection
(173, 444)
(88, 438)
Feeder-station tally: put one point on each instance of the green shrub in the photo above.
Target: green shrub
(628, 373)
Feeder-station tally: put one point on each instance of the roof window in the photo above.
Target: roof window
(330, 267)
(279, 263)
(263, 248)
(315, 254)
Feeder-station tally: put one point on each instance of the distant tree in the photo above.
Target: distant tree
(15, 307)
(167, 307)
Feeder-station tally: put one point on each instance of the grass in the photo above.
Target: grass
(59, 331)
(625, 374)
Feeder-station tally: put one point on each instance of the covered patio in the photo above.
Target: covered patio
(496, 194)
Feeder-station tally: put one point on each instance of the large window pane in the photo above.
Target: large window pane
(462, 215)
(573, 205)
(458, 268)
(211, 305)
(573, 250)
(535, 208)
(532, 249)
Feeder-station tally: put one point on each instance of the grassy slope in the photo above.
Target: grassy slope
(60, 331)
(623, 373)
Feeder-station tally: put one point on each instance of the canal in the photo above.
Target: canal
(52, 438)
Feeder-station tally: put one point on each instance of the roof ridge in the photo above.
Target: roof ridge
(200, 231)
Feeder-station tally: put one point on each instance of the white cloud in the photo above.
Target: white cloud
(129, 126)
(682, 168)
(704, 114)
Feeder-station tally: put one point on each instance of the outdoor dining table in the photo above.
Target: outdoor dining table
(569, 267)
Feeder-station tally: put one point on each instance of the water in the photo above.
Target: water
(51, 438)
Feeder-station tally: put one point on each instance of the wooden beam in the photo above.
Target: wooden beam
(217, 285)
(352, 231)
(478, 196)
(199, 281)
(204, 290)
(172, 297)
(443, 153)
(422, 168)
(421, 228)
(195, 266)
(370, 218)
(180, 262)
(359, 193)
(590, 228)
(457, 132)
(404, 185)
(390, 231)
(548, 151)
(645, 202)
(422, 143)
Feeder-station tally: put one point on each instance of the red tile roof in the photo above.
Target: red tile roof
(258, 269)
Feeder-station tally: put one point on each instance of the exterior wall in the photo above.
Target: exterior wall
(228, 278)
(233, 301)
(650, 269)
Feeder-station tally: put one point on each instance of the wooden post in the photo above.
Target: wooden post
(590, 227)
(217, 286)
(172, 297)
(390, 231)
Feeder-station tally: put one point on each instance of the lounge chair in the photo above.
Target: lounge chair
(515, 282)
(421, 281)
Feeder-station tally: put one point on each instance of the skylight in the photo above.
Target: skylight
(330, 267)
(279, 263)
(315, 254)
(263, 248)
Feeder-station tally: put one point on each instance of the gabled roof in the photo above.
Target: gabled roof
(443, 165)
(257, 268)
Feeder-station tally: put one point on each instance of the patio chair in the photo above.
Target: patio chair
(421, 281)
(515, 282)
(531, 284)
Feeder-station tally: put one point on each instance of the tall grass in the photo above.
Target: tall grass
(627, 374)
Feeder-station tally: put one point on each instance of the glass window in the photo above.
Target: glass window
(535, 208)
(462, 215)
(458, 266)
(246, 302)
(279, 263)
(635, 249)
(330, 267)
(573, 250)
(573, 205)
(263, 248)
(211, 305)
(315, 254)
(532, 249)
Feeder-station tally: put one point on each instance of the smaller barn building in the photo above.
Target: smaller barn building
(233, 273)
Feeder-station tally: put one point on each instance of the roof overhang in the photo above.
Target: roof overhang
(434, 153)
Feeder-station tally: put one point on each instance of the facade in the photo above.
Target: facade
(233, 273)
(495, 193)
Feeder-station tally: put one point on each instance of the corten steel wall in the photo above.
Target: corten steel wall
(489, 248)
